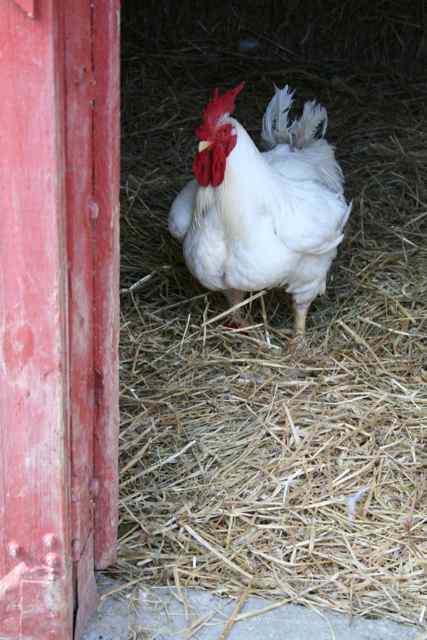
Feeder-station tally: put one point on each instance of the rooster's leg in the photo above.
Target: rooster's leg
(235, 296)
(300, 311)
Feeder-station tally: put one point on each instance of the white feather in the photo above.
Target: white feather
(353, 500)
(275, 121)
(181, 213)
(314, 162)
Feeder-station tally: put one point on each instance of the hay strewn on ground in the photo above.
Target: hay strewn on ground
(241, 460)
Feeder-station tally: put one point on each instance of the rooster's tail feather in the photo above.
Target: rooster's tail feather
(276, 128)
(313, 122)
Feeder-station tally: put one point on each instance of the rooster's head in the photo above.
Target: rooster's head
(217, 138)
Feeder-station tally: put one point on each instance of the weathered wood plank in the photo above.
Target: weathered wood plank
(79, 187)
(106, 173)
(34, 404)
(79, 82)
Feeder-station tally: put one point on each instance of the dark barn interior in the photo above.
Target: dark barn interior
(244, 463)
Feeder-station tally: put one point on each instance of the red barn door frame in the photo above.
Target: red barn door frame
(106, 171)
(59, 169)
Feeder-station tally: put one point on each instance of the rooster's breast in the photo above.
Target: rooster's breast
(259, 262)
(205, 253)
(249, 261)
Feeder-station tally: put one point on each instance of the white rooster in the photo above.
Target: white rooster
(252, 220)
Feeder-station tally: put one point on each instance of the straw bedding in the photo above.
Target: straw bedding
(300, 475)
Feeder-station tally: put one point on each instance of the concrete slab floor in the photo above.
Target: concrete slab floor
(158, 614)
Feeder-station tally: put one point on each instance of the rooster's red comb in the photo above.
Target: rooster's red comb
(217, 107)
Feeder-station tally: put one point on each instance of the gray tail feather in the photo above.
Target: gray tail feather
(302, 131)
(314, 121)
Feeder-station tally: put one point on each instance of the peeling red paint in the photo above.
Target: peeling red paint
(18, 347)
(36, 590)
(106, 283)
(28, 6)
(79, 185)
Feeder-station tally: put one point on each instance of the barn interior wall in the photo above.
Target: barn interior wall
(386, 32)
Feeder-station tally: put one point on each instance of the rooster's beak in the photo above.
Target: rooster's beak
(203, 145)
